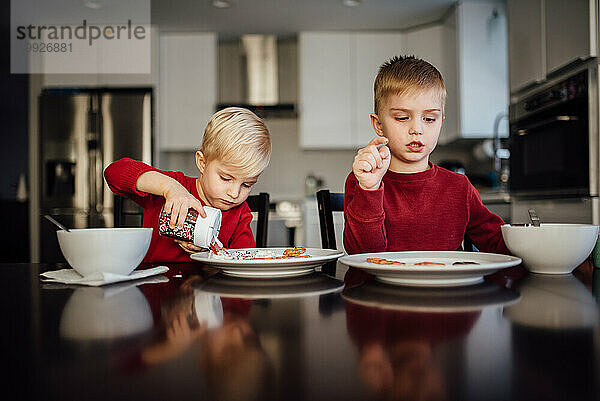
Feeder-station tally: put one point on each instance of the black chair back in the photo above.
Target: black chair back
(260, 204)
(328, 203)
(468, 244)
(126, 212)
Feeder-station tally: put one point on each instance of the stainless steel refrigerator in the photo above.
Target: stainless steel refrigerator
(81, 132)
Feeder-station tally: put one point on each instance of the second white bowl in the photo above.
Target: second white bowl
(551, 248)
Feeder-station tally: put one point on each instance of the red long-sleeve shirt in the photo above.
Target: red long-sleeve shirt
(122, 176)
(431, 210)
(368, 324)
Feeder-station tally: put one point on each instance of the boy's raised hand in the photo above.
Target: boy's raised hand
(177, 202)
(371, 163)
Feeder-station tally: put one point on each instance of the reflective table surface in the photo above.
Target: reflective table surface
(194, 334)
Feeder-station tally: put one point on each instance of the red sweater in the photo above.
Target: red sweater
(368, 324)
(122, 176)
(431, 210)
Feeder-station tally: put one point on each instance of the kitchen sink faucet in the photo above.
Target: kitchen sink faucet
(500, 153)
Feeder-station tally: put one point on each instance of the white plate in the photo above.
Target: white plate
(271, 268)
(436, 276)
(234, 287)
(420, 299)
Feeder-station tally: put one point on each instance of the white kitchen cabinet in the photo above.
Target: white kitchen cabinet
(324, 92)
(336, 75)
(525, 43)
(547, 35)
(570, 31)
(187, 91)
(475, 42)
(112, 80)
(427, 44)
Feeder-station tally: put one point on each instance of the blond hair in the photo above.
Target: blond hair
(405, 74)
(238, 138)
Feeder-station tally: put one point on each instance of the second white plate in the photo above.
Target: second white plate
(443, 275)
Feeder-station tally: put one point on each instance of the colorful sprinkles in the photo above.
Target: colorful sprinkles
(186, 233)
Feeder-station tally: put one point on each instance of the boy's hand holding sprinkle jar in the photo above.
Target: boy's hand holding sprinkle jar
(178, 201)
(177, 198)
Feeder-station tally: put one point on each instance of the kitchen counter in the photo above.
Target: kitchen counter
(498, 202)
(492, 196)
(515, 336)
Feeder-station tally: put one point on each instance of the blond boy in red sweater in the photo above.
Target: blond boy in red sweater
(236, 148)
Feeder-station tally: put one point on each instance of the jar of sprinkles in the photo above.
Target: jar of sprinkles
(200, 231)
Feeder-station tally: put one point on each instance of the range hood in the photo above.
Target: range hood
(259, 72)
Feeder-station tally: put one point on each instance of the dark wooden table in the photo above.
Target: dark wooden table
(517, 336)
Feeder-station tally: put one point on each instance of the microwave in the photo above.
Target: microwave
(553, 137)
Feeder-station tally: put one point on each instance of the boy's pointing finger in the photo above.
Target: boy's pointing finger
(379, 141)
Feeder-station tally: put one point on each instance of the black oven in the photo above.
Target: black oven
(552, 145)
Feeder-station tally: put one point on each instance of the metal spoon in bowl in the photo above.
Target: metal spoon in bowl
(535, 220)
(56, 223)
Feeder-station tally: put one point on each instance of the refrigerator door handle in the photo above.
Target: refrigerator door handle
(94, 143)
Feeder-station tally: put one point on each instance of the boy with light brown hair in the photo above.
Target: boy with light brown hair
(395, 198)
(236, 148)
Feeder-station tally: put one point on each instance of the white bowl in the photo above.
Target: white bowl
(551, 248)
(108, 250)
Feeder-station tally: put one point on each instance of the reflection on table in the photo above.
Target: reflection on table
(198, 335)
(401, 353)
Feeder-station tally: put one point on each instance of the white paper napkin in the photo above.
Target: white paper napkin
(109, 290)
(70, 276)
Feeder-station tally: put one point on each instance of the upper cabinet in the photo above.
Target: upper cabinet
(475, 68)
(324, 93)
(336, 75)
(570, 31)
(113, 80)
(187, 91)
(337, 72)
(525, 43)
(547, 35)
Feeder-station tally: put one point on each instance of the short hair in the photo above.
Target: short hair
(405, 74)
(238, 138)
